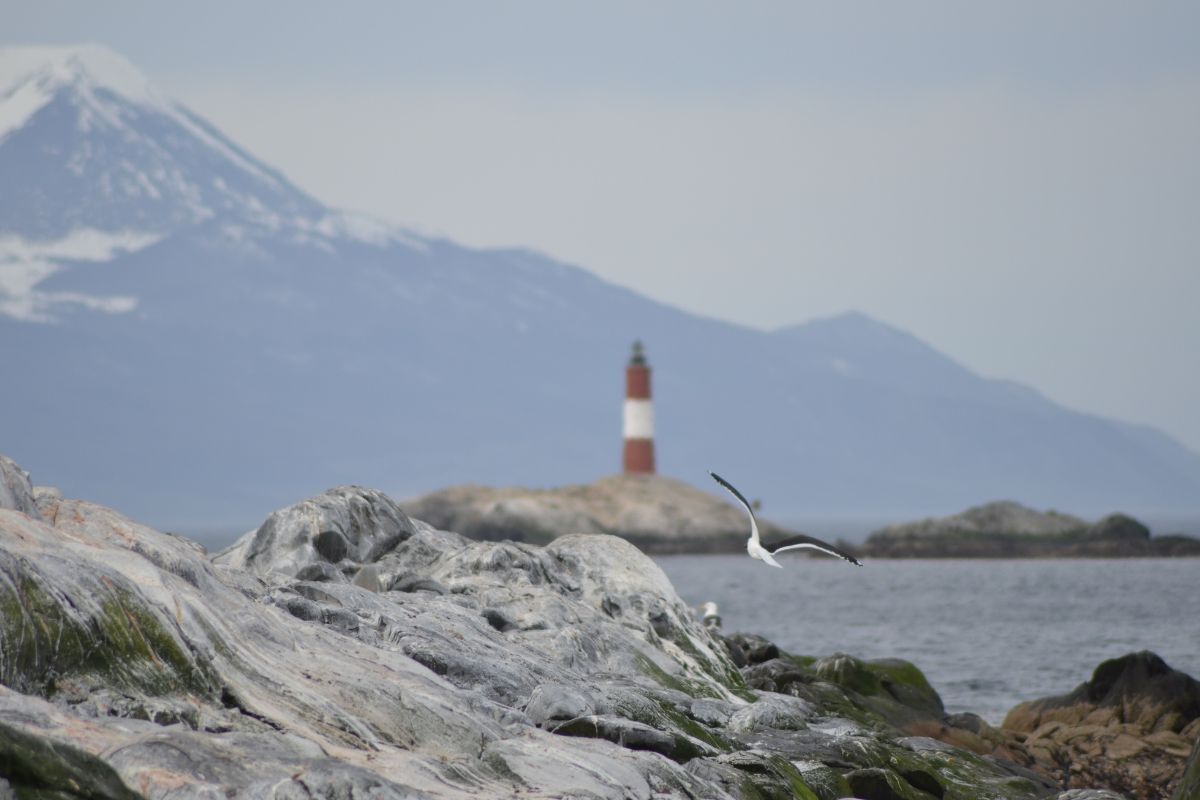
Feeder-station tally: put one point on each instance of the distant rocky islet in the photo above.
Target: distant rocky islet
(665, 516)
(656, 513)
(344, 649)
(1009, 530)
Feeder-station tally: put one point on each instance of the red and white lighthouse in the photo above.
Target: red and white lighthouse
(639, 416)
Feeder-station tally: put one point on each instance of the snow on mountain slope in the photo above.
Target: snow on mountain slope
(93, 156)
(92, 144)
(24, 264)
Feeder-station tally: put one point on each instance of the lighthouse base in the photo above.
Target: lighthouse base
(639, 457)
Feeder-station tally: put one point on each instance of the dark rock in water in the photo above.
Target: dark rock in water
(1129, 729)
(1137, 689)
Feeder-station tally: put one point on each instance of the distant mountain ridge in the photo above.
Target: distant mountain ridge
(194, 340)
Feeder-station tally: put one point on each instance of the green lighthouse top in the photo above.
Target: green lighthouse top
(639, 356)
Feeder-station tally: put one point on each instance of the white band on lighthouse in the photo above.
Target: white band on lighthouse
(639, 419)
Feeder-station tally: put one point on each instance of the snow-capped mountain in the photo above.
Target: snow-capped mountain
(83, 124)
(98, 163)
(192, 339)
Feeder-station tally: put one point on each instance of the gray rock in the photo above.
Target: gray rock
(368, 578)
(553, 702)
(347, 523)
(627, 733)
(775, 711)
(16, 492)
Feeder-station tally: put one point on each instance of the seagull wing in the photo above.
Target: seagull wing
(797, 542)
(729, 487)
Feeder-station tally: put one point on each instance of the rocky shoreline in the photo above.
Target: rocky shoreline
(346, 650)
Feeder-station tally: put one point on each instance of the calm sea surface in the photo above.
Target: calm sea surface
(988, 634)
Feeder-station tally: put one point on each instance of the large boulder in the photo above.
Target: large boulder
(331, 534)
(1130, 728)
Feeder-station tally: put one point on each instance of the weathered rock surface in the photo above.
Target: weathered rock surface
(1189, 784)
(409, 662)
(1009, 530)
(656, 513)
(15, 490)
(1129, 729)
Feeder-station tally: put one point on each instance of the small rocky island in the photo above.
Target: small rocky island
(1009, 530)
(347, 650)
(659, 515)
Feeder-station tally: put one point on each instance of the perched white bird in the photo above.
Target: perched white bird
(709, 615)
(755, 547)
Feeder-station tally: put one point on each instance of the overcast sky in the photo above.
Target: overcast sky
(1018, 185)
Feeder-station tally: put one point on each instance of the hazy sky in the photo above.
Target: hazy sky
(1019, 185)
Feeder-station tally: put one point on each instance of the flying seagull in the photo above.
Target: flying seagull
(754, 545)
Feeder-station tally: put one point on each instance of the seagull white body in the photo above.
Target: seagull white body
(754, 545)
(709, 615)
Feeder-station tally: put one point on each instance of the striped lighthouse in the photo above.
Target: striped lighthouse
(639, 416)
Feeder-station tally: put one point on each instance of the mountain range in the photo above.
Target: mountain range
(191, 338)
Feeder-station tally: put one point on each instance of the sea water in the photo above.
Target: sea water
(986, 633)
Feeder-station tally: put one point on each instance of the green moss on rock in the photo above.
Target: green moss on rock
(883, 784)
(824, 781)
(768, 776)
(692, 688)
(124, 644)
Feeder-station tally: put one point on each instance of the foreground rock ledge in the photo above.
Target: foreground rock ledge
(345, 650)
